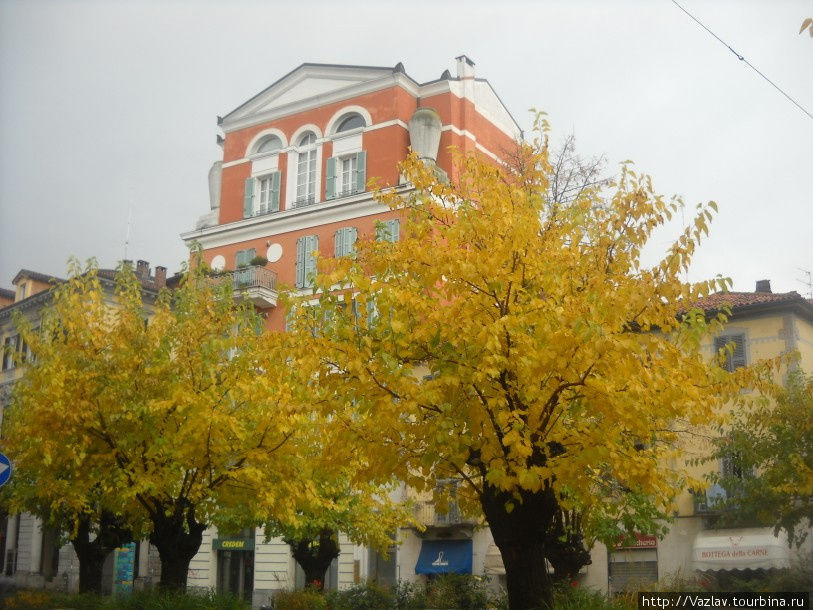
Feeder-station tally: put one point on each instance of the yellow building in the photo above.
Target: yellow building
(761, 325)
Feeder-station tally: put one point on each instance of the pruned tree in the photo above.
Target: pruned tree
(177, 416)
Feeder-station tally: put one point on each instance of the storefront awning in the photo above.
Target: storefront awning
(444, 556)
(741, 549)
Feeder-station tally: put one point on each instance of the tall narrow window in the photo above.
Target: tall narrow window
(306, 170)
(346, 175)
(269, 193)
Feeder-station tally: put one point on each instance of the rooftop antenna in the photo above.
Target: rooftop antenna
(808, 282)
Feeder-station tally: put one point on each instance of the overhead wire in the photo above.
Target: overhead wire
(745, 61)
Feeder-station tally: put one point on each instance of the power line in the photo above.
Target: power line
(742, 59)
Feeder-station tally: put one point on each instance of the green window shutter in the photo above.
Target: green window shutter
(344, 241)
(239, 259)
(250, 254)
(391, 230)
(312, 244)
(301, 248)
(248, 198)
(361, 171)
(273, 205)
(352, 236)
(330, 180)
(736, 358)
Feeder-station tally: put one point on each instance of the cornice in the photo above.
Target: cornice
(296, 219)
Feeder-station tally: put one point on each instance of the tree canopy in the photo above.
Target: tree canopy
(171, 415)
(519, 344)
(769, 450)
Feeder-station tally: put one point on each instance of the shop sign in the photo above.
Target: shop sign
(233, 544)
(642, 541)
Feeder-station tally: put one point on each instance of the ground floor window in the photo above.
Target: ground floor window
(235, 573)
(630, 569)
(380, 570)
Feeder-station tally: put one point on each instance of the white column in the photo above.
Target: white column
(36, 546)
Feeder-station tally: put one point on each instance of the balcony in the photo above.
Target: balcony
(427, 514)
(256, 284)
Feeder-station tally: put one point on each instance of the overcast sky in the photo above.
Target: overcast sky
(109, 106)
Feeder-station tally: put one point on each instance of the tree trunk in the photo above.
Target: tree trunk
(91, 554)
(315, 556)
(520, 534)
(565, 546)
(177, 537)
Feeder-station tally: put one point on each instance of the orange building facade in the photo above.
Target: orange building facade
(300, 159)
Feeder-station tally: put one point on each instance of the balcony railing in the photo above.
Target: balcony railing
(429, 515)
(257, 284)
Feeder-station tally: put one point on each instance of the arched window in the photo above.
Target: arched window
(306, 169)
(269, 145)
(351, 121)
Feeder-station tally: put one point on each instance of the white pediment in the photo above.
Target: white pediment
(310, 85)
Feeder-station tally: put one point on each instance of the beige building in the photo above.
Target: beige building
(762, 325)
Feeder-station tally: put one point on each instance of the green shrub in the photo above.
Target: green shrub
(309, 599)
(577, 598)
(408, 595)
(368, 596)
(458, 592)
(141, 600)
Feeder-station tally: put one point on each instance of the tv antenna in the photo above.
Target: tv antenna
(808, 282)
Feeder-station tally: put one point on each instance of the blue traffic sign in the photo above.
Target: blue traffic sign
(5, 469)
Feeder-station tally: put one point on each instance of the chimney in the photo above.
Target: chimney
(763, 286)
(143, 270)
(465, 67)
(160, 276)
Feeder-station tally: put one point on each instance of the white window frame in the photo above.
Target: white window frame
(306, 190)
(262, 188)
(346, 181)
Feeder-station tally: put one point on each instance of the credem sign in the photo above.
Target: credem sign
(233, 544)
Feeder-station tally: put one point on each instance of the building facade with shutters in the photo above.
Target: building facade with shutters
(300, 160)
(761, 325)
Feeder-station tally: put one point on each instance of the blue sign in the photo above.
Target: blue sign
(123, 569)
(5, 469)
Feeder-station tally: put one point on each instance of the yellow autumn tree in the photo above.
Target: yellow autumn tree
(519, 344)
(170, 416)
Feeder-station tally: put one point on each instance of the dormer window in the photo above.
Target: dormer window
(306, 169)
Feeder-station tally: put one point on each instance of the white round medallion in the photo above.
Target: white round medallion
(274, 253)
(218, 263)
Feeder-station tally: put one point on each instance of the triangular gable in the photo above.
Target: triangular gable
(308, 82)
